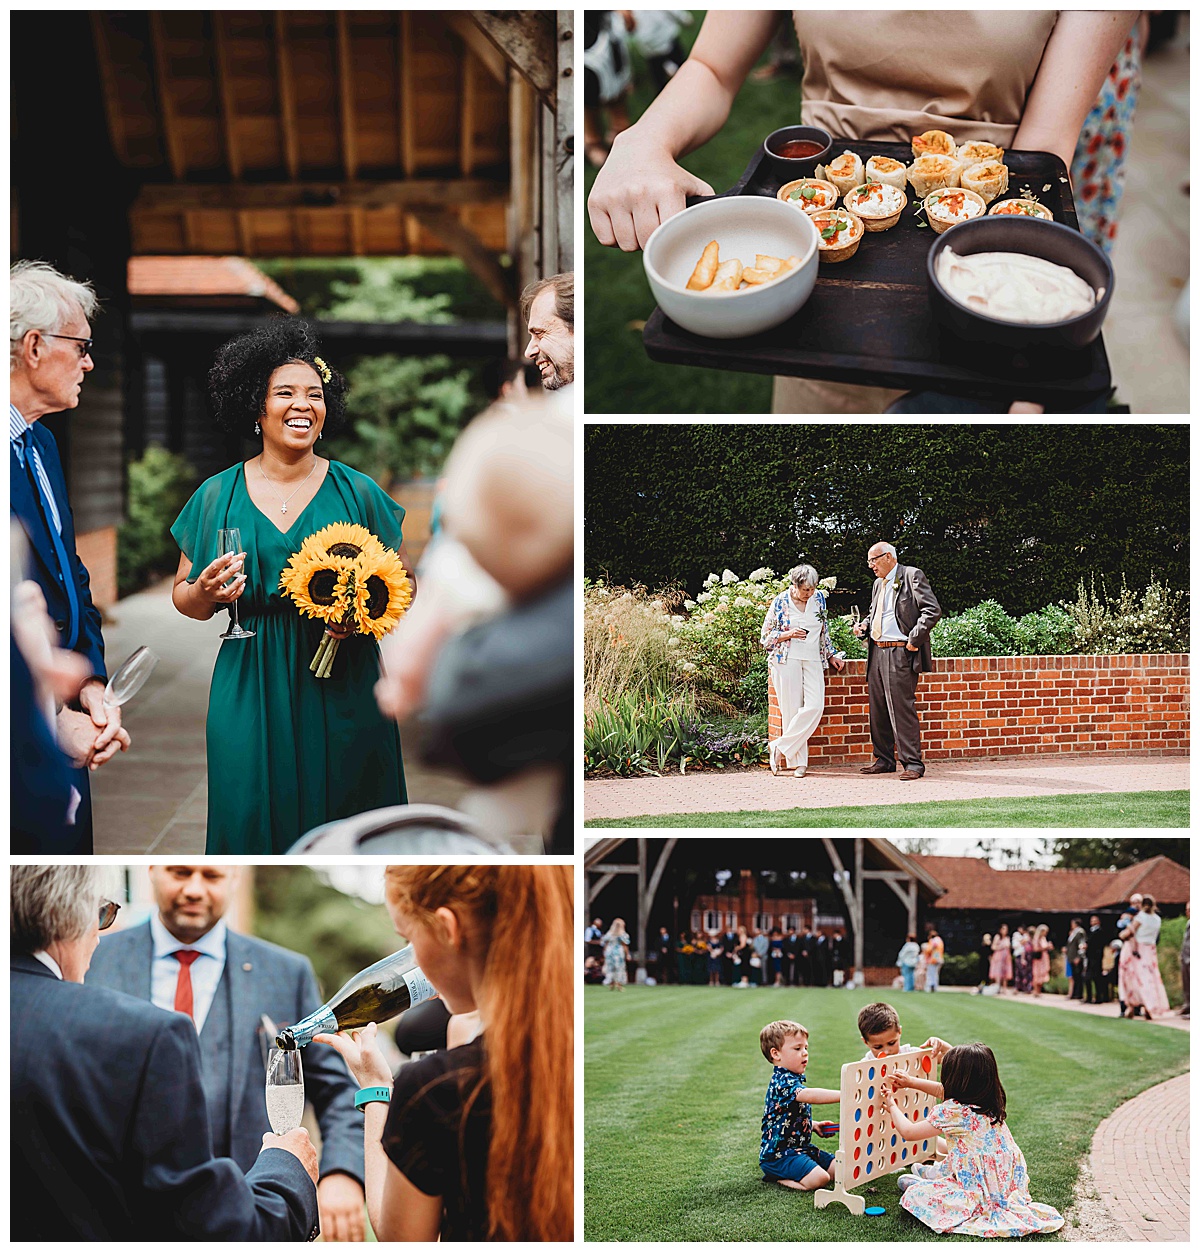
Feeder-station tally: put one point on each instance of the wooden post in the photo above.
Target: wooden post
(853, 899)
(858, 927)
(640, 954)
(564, 145)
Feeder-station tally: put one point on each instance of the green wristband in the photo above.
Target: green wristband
(372, 1095)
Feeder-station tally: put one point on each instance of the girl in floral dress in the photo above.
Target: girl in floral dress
(615, 944)
(981, 1188)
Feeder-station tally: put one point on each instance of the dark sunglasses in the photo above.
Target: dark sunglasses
(108, 913)
(83, 351)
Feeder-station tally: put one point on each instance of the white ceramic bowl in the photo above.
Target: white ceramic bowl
(743, 226)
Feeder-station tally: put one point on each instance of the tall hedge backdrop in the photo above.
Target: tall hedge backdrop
(1013, 513)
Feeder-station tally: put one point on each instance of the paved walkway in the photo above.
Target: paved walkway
(723, 791)
(1079, 1006)
(1141, 1161)
(154, 798)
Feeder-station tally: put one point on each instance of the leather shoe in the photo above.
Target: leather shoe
(878, 768)
(910, 774)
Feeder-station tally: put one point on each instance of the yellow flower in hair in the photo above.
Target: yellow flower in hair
(324, 370)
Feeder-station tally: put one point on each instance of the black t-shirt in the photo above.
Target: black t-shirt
(428, 1140)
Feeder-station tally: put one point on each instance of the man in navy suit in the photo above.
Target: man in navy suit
(186, 959)
(110, 1135)
(50, 350)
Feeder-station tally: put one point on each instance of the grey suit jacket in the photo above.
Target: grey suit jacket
(917, 613)
(263, 978)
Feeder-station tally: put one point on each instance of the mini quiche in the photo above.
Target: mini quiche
(840, 233)
(878, 204)
(951, 205)
(1021, 207)
(809, 194)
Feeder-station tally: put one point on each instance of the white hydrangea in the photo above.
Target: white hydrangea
(729, 577)
(712, 578)
(704, 597)
(672, 642)
(761, 575)
(722, 607)
(689, 605)
(828, 584)
(740, 602)
(709, 617)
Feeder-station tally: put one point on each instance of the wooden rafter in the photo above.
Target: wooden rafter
(408, 138)
(224, 72)
(358, 237)
(245, 230)
(108, 79)
(466, 123)
(526, 39)
(287, 97)
(166, 103)
(414, 193)
(464, 245)
(345, 76)
(489, 55)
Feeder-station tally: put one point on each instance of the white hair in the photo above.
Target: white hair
(53, 902)
(803, 576)
(887, 549)
(40, 298)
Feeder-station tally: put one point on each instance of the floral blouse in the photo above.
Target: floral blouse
(779, 619)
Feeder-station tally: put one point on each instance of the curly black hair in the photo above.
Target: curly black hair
(237, 382)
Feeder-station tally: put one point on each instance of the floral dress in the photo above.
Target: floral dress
(614, 960)
(982, 1187)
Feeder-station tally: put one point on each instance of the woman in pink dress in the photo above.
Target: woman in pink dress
(1041, 958)
(1000, 970)
(1144, 984)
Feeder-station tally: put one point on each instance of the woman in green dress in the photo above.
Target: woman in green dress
(286, 751)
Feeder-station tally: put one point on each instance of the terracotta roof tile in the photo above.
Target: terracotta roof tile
(204, 276)
(972, 883)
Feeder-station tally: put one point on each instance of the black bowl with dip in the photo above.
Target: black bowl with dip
(1032, 236)
(788, 168)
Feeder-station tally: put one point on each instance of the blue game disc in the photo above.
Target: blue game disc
(875, 1211)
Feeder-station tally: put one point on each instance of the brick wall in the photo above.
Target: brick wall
(98, 551)
(1016, 705)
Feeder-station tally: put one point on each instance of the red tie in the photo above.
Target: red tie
(183, 988)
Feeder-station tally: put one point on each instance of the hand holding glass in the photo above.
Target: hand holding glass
(229, 542)
(128, 680)
(285, 1090)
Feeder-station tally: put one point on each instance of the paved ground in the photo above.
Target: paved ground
(154, 798)
(830, 786)
(1172, 1019)
(1141, 1161)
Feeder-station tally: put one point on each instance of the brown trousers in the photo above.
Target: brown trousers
(892, 696)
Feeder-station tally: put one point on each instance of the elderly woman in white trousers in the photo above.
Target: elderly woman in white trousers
(795, 634)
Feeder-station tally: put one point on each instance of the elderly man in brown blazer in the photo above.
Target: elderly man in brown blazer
(903, 612)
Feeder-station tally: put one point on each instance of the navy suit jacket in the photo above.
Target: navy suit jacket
(266, 979)
(45, 570)
(41, 774)
(110, 1136)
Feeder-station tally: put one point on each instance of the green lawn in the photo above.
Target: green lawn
(620, 377)
(674, 1096)
(1128, 808)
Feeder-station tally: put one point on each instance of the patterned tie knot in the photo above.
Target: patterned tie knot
(184, 957)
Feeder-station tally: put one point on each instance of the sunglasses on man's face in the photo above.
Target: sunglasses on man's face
(108, 913)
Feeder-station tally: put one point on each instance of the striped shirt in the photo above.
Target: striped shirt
(17, 426)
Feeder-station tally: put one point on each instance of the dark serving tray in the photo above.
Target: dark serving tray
(869, 319)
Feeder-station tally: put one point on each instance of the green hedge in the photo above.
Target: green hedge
(159, 486)
(1016, 514)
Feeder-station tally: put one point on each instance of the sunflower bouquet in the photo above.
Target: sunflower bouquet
(344, 576)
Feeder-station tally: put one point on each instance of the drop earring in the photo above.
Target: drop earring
(257, 429)
(320, 436)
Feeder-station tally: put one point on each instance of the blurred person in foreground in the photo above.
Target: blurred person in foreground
(477, 1142)
(486, 655)
(49, 357)
(110, 1128)
(185, 959)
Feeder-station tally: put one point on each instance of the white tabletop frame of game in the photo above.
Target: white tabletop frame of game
(870, 1146)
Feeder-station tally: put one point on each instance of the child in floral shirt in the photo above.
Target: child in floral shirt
(982, 1187)
(787, 1154)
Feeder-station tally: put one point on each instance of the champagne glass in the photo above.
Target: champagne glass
(229, 542)
(128, 680)
(285, 1090)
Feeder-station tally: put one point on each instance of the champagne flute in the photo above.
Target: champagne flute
(229, 542)
(128, 680)
(285, 1090)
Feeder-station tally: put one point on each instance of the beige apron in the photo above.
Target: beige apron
(890, 75)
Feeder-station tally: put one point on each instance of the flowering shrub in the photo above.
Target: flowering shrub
(1157, 621)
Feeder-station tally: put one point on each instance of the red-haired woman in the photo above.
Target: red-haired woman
(477, 1141)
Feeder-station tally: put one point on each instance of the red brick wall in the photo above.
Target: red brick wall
(1016, 705)
(98, 551)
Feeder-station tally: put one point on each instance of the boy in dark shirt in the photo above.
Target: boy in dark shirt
(787, 1154)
